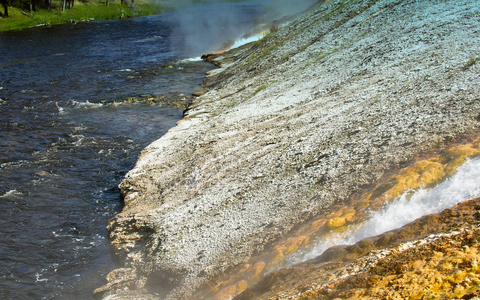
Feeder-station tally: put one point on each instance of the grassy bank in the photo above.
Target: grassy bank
(86, 10)
(81, 12)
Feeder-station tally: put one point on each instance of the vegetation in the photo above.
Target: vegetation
(19, 14)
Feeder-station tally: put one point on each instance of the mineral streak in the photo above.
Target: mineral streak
(291, 126)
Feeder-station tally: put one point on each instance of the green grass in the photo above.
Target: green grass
(80, 12)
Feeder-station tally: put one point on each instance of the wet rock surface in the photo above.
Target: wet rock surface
(290, 127)
(435, 257)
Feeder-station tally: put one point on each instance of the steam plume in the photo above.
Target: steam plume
(205, 26)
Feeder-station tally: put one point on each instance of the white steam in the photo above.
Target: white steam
(206, 26)
(464, 185)
(243, 41)
(278, 10)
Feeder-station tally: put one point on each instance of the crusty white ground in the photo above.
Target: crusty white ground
(294, 123)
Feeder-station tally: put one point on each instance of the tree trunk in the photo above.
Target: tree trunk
(5, 7)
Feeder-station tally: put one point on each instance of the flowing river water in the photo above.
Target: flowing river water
(67, 138)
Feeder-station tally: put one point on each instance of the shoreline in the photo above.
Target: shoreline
(290, 128)
(80, 13)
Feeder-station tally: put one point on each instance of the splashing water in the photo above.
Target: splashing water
(243, 41)
(464, 185)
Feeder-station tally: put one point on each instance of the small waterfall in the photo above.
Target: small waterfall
(463, 185)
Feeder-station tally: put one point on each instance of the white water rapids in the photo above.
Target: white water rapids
(463, 185)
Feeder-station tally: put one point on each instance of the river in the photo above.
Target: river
(67, 137)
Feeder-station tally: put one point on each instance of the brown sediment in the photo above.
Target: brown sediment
(180, 102)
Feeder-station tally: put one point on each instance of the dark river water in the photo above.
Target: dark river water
(66, 140)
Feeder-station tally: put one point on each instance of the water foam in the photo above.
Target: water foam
(236, 44)
(11, 193)
(60, 109)
(191, 59)
(38, 277)
(244, 41)
(463, 185)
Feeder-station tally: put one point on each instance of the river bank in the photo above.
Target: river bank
(81, 12)
(76, 109)
(293, 128)
(87, 11)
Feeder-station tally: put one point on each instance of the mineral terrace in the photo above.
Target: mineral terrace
(289, 128)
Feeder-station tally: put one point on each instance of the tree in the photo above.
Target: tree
(5, 4)
(33, 5)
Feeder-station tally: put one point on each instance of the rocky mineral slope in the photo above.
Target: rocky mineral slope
(290, 128)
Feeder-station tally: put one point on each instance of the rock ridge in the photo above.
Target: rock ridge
(290, 126)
